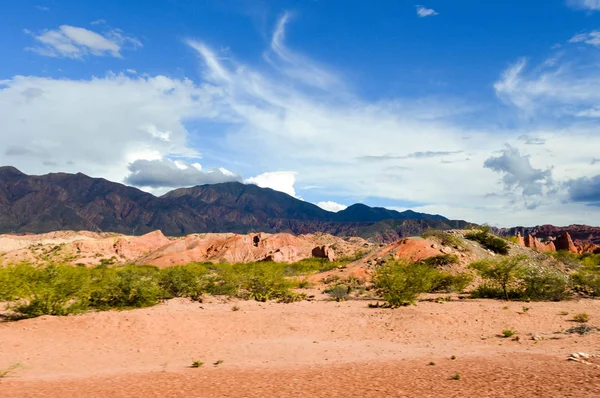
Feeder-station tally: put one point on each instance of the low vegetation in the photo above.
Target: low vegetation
(581, 317)
(489, 241)
(7, 371)
(512, 278)
(446, 239)
(32, 291)
(506, 333)
(400, 283)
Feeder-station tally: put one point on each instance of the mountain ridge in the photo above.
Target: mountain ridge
(59, 201)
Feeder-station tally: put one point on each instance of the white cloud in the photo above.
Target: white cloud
(423, 12)
(295, 65)
(278, 180)
(560, 89)
(75, 42)
(592, 38)
(592, 5)
(331, 206)
(97, 126)
(42, 8)
(166, 173)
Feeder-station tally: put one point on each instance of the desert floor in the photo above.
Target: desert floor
(317, 349)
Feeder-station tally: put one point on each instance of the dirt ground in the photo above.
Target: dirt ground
(319, 348)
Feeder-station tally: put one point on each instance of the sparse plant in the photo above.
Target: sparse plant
(217, 363)
(197, 364)
(455, 377)
(338, 292)
(12, 368)
(525, 309)
(582, 317)
(235, 308)
(506, 333)
(431, 364)
(563, 313)
(453, 357)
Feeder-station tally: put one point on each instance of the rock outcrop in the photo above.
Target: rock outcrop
(564, 242)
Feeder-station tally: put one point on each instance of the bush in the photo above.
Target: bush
(129, 286)
(510, 278)
(183, 281)
(489, 241)
(501, 277)
(581, 317)
(587, 280)
(52, 290)
(443, 260)
(508, 333)
(400, 283)
(338, 292)
(545, 284)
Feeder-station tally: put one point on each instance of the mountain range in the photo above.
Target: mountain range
(61, 201)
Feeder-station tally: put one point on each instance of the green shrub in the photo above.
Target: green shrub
(506, 333)
(400, 283)
(545, 284)
(502, 277)
(183, 281)
(443, 260)
(338, 292)
(489, 241)
(53, 290)
(129, 286)
(197, 364)
(587, 280)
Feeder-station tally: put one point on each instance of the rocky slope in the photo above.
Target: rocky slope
(87, 248)
(60, 201)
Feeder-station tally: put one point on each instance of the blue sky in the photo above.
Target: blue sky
(485, 111)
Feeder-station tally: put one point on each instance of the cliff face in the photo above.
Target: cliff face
(61, 201)
(561, 242)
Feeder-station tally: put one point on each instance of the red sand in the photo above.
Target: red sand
(317, 348)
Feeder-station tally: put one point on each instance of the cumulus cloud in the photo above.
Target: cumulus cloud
(591, 5)
(282, 181)
(98, 126)
(75, 42)
(585, 189)
(518, 172)
(166, 173)
(423, 12)
(332, 206)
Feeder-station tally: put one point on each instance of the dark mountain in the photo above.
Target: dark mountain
(364, 213)
(75, 201)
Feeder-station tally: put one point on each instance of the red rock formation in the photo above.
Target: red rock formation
(534, 243)
(323, 252)
(564, 242)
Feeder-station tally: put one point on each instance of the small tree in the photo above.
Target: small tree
(505, 273)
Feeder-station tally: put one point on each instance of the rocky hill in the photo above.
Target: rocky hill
(61, 201)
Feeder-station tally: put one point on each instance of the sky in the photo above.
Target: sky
(482, 111)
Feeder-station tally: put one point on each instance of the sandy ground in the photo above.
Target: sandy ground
(320, 349)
